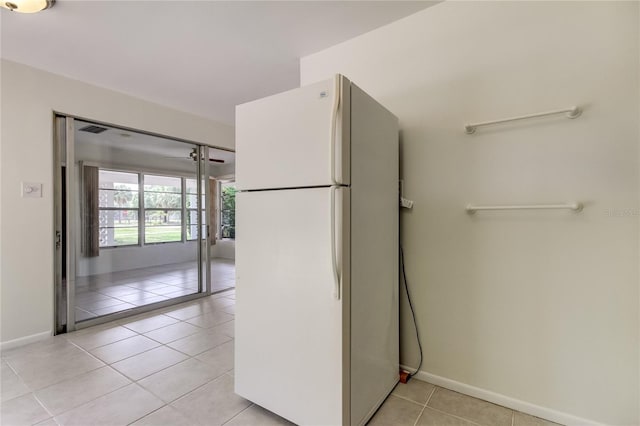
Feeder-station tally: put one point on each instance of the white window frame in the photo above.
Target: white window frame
(142, 210)
(138, 208)
(178, 209)
(187, 210)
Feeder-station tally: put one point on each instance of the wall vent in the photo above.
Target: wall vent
(93, 129)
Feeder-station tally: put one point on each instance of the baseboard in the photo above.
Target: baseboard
(21, 341)
(505, 401)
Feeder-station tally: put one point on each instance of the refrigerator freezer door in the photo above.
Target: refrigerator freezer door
(289, 328)
(284, 141)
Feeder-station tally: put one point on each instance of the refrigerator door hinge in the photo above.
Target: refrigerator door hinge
(58, 239)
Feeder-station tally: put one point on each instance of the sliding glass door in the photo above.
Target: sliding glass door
(132, 216)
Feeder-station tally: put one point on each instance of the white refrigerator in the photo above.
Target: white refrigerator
(317, 253)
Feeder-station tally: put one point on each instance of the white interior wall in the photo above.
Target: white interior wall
(135, 257)
(535, 309)
(29, 98)
(225, 249)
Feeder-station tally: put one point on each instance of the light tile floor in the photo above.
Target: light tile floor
(103, 294)
(174, 367)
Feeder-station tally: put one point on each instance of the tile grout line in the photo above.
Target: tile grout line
(14, 371)
(173, 365)
(407, 399)
(455, 416)
(87, 350)
(186, 393)
(241, 411)
(424, 407)
(172, 341)
(430, 395)
(419, 415)
(150, 413)
(92, 399)
(130, 356)
(170, 404)
(200, 353)
(42, 405)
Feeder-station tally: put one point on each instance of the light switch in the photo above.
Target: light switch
(31, 190)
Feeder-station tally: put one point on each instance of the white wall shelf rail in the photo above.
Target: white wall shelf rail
(575, 206)
(572, 112)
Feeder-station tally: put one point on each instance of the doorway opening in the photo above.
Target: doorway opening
(223, 248)
(137, 222)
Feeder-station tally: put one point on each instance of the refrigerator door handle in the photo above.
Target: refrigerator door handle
(334, 127)
(334, 261)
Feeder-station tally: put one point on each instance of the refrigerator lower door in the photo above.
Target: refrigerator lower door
(289, 324)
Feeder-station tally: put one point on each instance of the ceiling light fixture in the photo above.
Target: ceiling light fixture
(27, 6)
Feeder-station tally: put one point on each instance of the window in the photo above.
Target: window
(167, 204)
(192, 210)
(119, 208)
(228, 210)
(162, 209)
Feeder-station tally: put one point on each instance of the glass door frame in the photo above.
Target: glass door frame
(65, 245)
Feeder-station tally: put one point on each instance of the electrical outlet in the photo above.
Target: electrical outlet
(31, 190)
(406, 203)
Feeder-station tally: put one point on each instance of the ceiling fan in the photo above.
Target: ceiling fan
(193, 155)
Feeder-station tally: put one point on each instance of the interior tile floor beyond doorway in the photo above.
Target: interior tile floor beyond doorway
(104, 294)
(174, 367)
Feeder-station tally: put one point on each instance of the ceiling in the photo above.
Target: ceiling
(202, 57)
(130, 141)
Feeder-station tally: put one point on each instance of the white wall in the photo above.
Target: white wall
(135, 257)
(29, 97)
(539, 307)
(225, 249)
